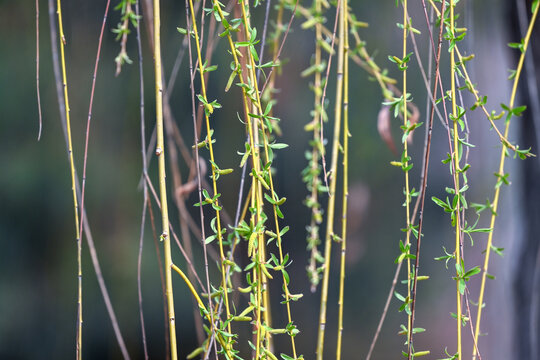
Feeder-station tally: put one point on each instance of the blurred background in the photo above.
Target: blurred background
(38, 259)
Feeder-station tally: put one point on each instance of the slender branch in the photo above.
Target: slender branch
(89, 119)
(86, 228)
(323, 97)
(160, 153)
(406, 169)
(220, 338)
(312, 178)
(346, 134)
(331, 191)
(145, 185)
(432, 95)
(37, 72)
(276, 58)
(500, 172)
(472, 89)
(73, 187)
(198, 167)
(171, 229)
(416, 205)
(160, 265)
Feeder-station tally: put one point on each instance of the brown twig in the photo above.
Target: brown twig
(182, 250)
(199, 184)
(423, 188)
(323, 97)
(145, 186)
(86, 226)
(161, 276)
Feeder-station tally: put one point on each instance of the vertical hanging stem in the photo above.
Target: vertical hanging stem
(258, 106)
(456, 180)
(262, 286)
(501, 173)
(331, 191)
(423, 186)
(37, 72)
(406, 163)
(313, 239)
(224, 283)
(160, 153)
(73, 186)
(344, 11)
(145, 185)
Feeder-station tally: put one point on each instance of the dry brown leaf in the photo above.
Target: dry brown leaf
(383, 126)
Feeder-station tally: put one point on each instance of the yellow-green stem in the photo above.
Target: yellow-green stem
(256, 189)
(224, 283)
(160, 153)
(456, 180)
(498, 189)
(189, 284)
(73, 187)
(331, 192)
(344, 10)
(406, 164)
(475, 92)
(271, 183)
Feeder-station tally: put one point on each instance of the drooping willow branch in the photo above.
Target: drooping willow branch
(425, 170)
(160, 153)
(73, 186)
(330, 235)
(345, 144)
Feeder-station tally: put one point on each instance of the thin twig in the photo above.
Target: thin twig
(413, 219)
(276, 58)
(145, 186)
(471, 326)
(94, 77)
(161, 275)
(89, 119)
(432, 99)
(160, 153)
(37, 72)
(78, 346)
(345, 145)
(323, 97)
(171, 229)
(199, 185)
(183, 214)
(433, 95)
(87, 231)
(329, 237)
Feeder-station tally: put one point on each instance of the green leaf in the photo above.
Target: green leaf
(269, 199)
(461, 286)
(399, 296)
(475, 270)
(277, 146)
(209, 239)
